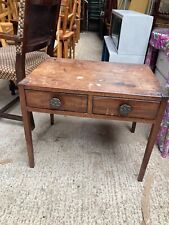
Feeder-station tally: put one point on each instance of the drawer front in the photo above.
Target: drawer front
(125, 108)
(56, 101)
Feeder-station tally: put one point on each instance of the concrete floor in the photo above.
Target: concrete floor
(85, 171)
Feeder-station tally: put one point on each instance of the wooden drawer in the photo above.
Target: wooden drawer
(125, 108)
(57, 101)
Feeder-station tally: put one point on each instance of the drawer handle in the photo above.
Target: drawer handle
(55, 103)
(125, 109)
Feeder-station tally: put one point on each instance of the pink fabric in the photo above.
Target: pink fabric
(160, 40)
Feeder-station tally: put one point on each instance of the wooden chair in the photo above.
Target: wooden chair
(77, 21)
(5, 24)
(161, 14)
(105, 20)
(65, 32)
(36, 30)
(161, 19)
(5, 13)
(14, 9)
(8, 13)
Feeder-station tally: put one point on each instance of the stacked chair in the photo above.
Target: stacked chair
(68, 29)
(8, 13)
(37, 22)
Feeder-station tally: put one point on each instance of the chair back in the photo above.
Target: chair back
(36, 29)
(37, 24)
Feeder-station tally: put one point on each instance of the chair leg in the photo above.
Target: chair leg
(12, 87)
(5, 115)
(51, 119)
(65, 50)
(73, 46)
(32, 121)
(133, 128)
(59, 49)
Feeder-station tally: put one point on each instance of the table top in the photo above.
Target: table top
(67, 75)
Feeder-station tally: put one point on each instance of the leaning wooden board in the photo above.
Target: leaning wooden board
(96, 90)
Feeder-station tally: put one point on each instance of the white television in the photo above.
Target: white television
(129, 36)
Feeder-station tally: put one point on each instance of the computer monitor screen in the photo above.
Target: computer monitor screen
(115, 30)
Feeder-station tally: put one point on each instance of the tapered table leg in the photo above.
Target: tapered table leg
(32, 121)
(28, 136)
(27, 121)
(151, 141)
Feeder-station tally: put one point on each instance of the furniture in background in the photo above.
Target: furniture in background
(66, 30)
(123, 4)
(162, 72)
(105, 17)
(139, 6)
(160, 64)
(8, 13)
(95, 8)
(161, 13)
(77, 21)
(129, 36)
(18, 61)
(84, 15)
(102, 91)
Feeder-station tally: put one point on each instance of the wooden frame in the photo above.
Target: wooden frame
(32, 36)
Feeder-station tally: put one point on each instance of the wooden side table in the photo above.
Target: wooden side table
(95, 90)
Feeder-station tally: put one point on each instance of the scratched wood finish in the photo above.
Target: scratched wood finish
(139, 109)
(69, 102)
(121, 80)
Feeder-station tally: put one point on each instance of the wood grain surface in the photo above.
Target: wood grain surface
(112, 79)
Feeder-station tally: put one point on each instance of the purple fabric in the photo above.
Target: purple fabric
(160, 40)
(163, 135)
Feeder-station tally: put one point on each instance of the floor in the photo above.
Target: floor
(85, 171)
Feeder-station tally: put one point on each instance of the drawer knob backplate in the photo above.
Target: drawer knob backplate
(125, 109)
(55, 103)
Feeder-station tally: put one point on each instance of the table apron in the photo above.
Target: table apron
(92, 116)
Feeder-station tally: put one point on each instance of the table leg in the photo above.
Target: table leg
(27, 122)
(133, 128)
(28, 136)
(148, 151)
(52, 119)
(151, 141)
(32, 121)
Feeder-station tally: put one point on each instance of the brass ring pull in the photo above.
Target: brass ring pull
(125, 109)
(55, 103)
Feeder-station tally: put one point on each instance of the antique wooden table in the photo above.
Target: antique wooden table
(95, 90)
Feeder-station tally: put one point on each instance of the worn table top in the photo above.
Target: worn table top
(67, 75)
